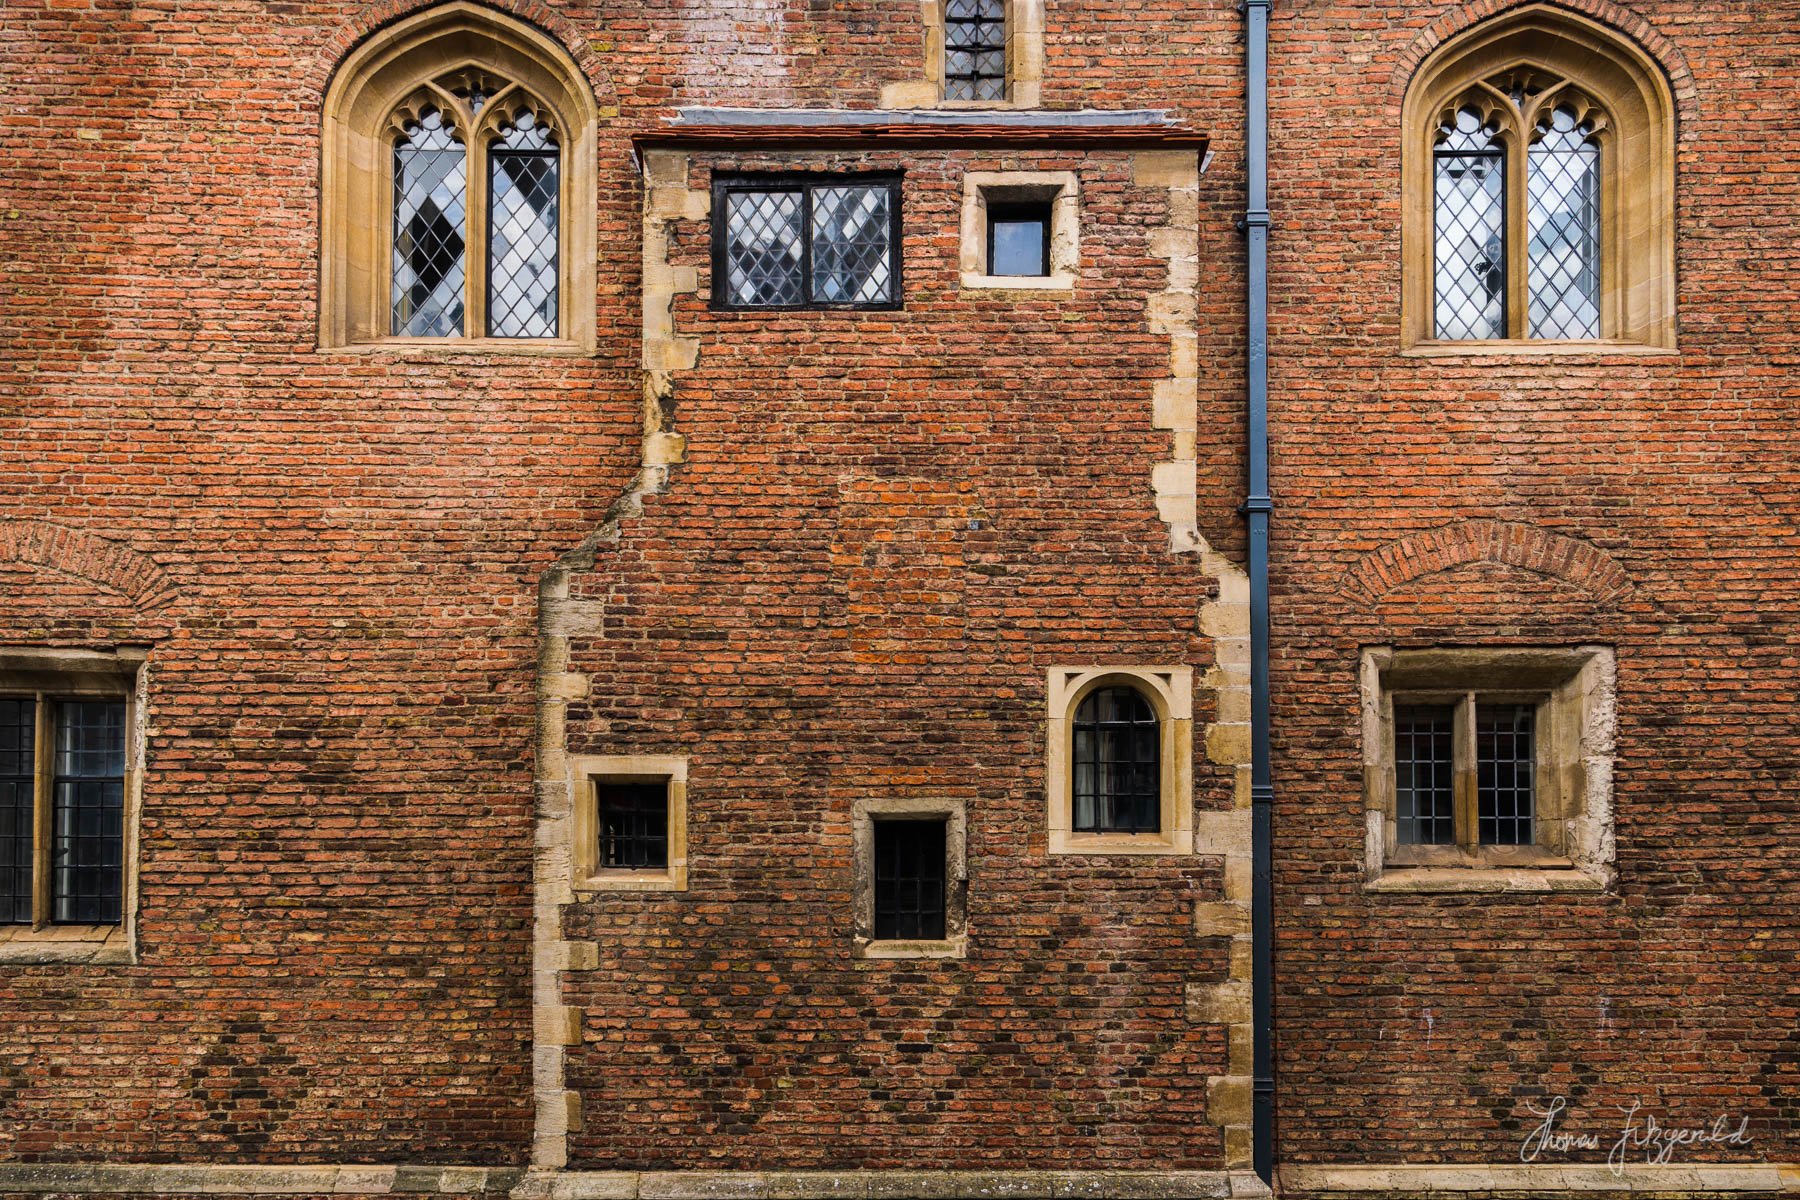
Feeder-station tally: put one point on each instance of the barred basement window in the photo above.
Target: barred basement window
(67, 775)
(975, 49)
(630, 822)
(909, 883)
(1539, 190)
(806, 242)
(1488, 770)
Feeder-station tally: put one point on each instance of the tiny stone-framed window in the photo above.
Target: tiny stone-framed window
(1021, 230)
(630, 822)
(977, 54)
(1119, 760)
(910, 888)
(70, 769)
(1488, 769)
(806, 241)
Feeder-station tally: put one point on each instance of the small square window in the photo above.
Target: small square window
(1021, 229)
(630, 823)
(910, 878)
(1019, 238)
(1488, 770)
(824, 241)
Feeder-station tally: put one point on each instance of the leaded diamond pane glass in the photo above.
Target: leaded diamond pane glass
(1563, 219)
(850, 241)
(1470, 242)
(975, 50)
(522, 214)
(430, 229)
(764, 248)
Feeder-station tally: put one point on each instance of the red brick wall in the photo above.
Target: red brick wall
(1415, 1028)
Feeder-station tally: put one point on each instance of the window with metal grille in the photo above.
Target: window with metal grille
(62, 810)
(975, 50)
(633, 820)
(500, 278)
(1117, 763)
(1489, 199)
(1477, 747)
(806, 242)
(1018, 238)
(909, 879)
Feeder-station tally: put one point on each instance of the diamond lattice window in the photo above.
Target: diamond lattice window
(831, 242)
(975, 50)
(1516, 211)
(454, 276)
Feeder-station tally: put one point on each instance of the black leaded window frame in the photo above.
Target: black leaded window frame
(68, 800)
(726, 185)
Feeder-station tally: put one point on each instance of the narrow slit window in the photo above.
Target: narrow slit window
(18, 785)
(88, 812)
(430, 229)
(909, 880)
(1019, 238)
(1564, 227)
(1470, 241)
(523, 214)
(1117, 763)
(1505, 755)
(1424, 774)
(633, 825)
(975, 50)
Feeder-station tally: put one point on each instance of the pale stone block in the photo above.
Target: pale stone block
(1218, 1003)
(1222, 832)
(1238, 875)
(1228, 1100)
(1172, 403)
(909, 93)
(1212, 919)
(665, 449)
(1228, 744)
(1173, 478)
(1166, 168)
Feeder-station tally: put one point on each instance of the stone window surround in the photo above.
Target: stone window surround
(61, 674)
(1024, 62)
(1575, 689)
(1061, 188)
(1170, 691)
(585, 771)
(356, 194)
(863, 815)
(1637, 165)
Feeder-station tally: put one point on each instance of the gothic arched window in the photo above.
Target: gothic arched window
(459, 190)
(1540, 195)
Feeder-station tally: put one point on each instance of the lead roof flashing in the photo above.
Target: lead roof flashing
(836, 129)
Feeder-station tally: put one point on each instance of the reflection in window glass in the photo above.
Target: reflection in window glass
(1470, 241)
(522, 223)
(430, 230)
(1564, 227)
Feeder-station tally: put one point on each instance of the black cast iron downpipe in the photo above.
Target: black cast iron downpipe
(1257, 508)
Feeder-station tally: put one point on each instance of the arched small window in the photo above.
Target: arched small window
(1119, 760)
(459, 191)
(1539, 174)
(1117, 786)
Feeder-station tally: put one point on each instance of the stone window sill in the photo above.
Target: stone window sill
(1452, 880)
(1033, 284)
(102, 944)
(956, 947)
(672, 880)
(530, 347)
(1529, 349)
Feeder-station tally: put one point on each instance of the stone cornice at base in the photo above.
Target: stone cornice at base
(1513, 1179)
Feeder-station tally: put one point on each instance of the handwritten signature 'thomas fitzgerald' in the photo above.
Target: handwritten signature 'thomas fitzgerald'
(1642, 1131)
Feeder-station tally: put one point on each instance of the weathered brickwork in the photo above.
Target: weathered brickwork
(830, 556)
(1643, 502)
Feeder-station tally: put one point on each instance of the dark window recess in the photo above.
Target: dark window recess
(975, 49)
(824, 242)
(909, 880)
(1019, 238)
(634, 825)
(18, 776)
(1117, 763)
(430, 230)
(1504, 758)
(88, 812)
(522, 228)
(1424, 774)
